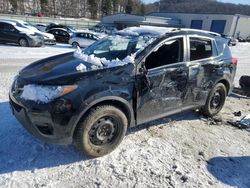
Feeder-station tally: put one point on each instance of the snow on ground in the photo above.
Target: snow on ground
(185, 150)
(17, 52)
(242, 53)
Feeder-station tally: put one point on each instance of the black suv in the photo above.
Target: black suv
(92, 96)
(12, 32)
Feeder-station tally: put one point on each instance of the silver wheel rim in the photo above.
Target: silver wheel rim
(23, 42)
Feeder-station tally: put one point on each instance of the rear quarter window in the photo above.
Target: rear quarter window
(223, 48)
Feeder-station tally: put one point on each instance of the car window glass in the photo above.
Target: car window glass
(60, 32)
(95, 37)
(54, 32)
(8, 27)
(168, 53)
(200, 49)
(64, 33)
(83, 35)
(120, 45)
(20, 25)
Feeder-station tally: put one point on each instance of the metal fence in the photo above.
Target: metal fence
(78, 23)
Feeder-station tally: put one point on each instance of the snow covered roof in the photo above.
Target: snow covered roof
(145, 30)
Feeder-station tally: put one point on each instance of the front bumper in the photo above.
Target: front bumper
(50, 41)
(36, 41)
(40, 124)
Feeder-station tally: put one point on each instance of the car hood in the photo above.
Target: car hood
(61, 69)
(25, 31)
(48, 35)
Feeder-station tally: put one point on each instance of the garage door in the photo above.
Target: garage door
(196, 24)
(218, 26)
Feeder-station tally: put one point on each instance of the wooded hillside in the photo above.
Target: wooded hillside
(71, 8)
(99, 8)
(198, 6)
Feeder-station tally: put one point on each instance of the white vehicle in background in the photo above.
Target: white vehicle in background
(84, 38)
(48, 38)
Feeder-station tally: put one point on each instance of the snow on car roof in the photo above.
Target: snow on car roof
(145, 30)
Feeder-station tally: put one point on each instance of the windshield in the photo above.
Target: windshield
(20, 25)
(118, 47)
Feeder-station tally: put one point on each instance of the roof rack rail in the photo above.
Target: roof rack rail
(201, 31)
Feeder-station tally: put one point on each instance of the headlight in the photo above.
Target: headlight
(45, 94)
(32, 34)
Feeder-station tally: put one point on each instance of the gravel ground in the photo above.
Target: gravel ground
(186, 150)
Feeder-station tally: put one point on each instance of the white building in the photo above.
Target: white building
(233, 25)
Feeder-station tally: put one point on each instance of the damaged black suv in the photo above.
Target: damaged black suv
(91, 97)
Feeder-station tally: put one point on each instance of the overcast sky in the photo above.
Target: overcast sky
(227, 1)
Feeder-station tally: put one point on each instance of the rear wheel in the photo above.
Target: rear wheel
(23, 42)
(101, 131)
(75, 45)
(215, 100)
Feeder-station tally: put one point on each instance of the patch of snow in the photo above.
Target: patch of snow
(117, 42)
(100, 63)
(127, 32)
(146, 30)
(81, 67)
(43, 94)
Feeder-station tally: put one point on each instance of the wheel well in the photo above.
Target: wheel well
(226, 84)
(22, 38)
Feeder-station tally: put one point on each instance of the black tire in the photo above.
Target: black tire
(215, 101)
(23, 42)
(75, 45)
(101, 131)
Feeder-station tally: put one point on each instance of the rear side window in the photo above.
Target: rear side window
(63, 33)
(200, 48)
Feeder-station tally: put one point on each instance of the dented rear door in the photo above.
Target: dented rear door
(205, 68)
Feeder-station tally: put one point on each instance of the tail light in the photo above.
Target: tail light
(234, 61)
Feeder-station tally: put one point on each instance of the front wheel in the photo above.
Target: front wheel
(23, 42)
(101, 131)
(75, 45)
(215, 101)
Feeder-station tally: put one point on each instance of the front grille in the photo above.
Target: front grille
(45, 129)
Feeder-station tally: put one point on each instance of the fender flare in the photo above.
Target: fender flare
(125, 103)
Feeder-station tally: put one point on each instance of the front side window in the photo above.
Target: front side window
(200, 48)
(168, 53)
